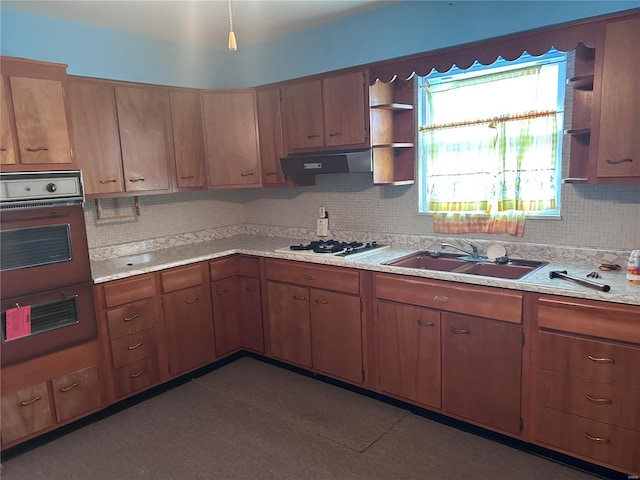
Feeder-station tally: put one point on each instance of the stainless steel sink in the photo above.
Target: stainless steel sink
(514, 269)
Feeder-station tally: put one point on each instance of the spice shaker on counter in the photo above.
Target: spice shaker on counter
(633, 267)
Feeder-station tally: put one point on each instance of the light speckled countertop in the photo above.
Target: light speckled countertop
(265, 246)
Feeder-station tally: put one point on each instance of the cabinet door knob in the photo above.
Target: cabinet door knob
(596, 439)
(133, 347)
(617, 162)
(425, 324)
(70, 387)
(460, 331)
(601, 359)
(111, 180)
(129, 319)
(189, 302)
(295, 297)
(602, 401)
(324, 302)
(29, 402)
(136, 375)
(3, 149)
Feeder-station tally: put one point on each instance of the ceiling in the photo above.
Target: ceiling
(199, 22)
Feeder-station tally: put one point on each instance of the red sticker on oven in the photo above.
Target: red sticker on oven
(18, 322)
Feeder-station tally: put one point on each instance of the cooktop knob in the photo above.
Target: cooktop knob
(51, 187)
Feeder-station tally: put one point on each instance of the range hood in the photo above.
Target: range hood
(343, 162)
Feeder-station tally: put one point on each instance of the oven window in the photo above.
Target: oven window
(49, 316)
(30, 247)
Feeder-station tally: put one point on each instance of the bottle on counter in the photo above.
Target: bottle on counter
(633, 267)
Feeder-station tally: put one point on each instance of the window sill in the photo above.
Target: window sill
(555, 216)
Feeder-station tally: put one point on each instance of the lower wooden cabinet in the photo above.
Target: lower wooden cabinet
(76, 392)
(25, 411)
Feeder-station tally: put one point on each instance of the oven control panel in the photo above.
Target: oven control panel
(16, 188)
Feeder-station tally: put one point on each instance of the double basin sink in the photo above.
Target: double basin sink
(512, 269)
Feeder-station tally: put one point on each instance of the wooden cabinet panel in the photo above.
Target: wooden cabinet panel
(595, 440)
(136, 376)
(131, 318)
(188, 139)
(25, 411)
(41, 121)
(144, 131)
(226, 304)
(76, 393)
(482, 370)
(336, 334)
(250, 313)
(223, 268)
(231, 138)
(289, 326)
(618, 146)
(329, 278)
(595, 400)
(408, 350)
(128, 290)
(182, 277)
(595, 360)
(189, 328)
(7, 140)
(134, 347)
(302, 115)
(271, 141)
(96, 136)
(345, 109)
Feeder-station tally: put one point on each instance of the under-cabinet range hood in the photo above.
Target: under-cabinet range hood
(342, 162)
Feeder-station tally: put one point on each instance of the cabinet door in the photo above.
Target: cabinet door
(289, 332)
(225, 300)
(7, 141)
(482, 370)
(76, 393)
(345, 110)
(24, 412)
(189, 329)
(271, 142)
(336, 334)
(618, 145)
(302, 115)
(143, 121)
(231, 138)
(41, 121)
(188, 141)
(95, 129)
(250, 313)
(408, 348)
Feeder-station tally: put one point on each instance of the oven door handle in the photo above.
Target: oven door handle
(27, 218)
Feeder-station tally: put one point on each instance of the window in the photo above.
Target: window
(490, 142)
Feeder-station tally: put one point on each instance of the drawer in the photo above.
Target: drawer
(299, 273)
(605, 443)
(136, 376)
(248, 267)
(129, 290)
(223, 268)
(595, 400)
(76, 393)
(598, 319)
(25, 412)
(132, 348)
(473, 300)
(131, 318)
(591, 359)
(181, 278)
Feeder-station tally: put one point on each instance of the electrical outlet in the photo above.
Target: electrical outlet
(322, 213)
(322, 227)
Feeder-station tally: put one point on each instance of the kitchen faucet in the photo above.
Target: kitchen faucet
(474, 253)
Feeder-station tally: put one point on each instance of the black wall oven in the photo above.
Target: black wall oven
(45, 275)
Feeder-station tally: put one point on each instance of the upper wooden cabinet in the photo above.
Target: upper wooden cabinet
(271, 141)
(231, 138)
(188, 140)
(326, 113)
(35, 132)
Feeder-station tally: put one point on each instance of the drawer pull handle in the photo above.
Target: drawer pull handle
(315, 135)
(295, 297)
(112, 180)
(440, 298)
(460, 331)
(602, 401)
(596, 439)
(139, 179)
(270, 174)
(324, 302)
(3, 149)
(617, 162)
(307, 277)
(250, 289)
(36, 149)
(29, 402)
(136, 375)
(133, 347)
(187, 177)
(128, 319)
(601, 359)
(335, 134)
(247, 174)
(189, 302)
(222, 292)
(425, 324)
(70, 387)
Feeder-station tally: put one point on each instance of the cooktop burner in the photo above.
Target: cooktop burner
(333, 247)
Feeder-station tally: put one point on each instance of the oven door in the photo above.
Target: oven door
(59, 319)
(42, 248)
